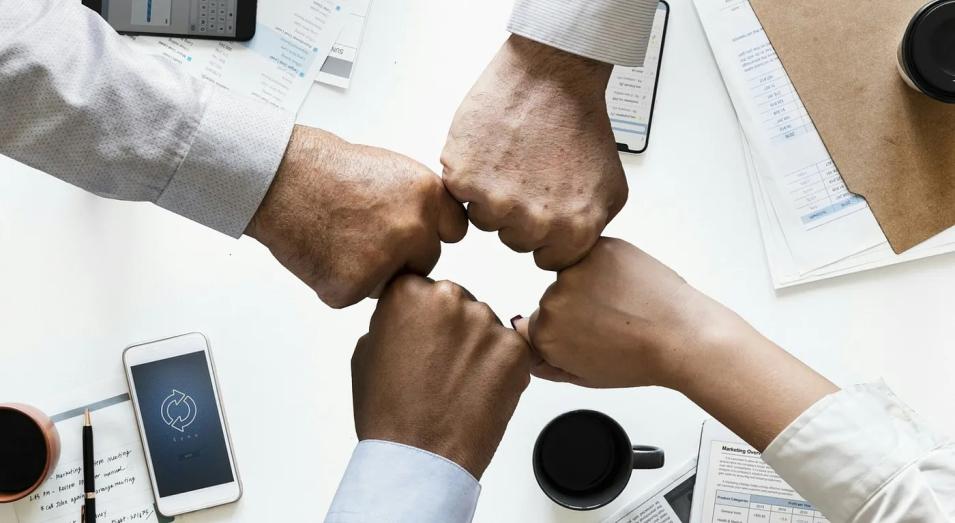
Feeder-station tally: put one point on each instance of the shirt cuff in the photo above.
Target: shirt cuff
(852, 442)
(231, 162)
(388, 481)
(611, 31)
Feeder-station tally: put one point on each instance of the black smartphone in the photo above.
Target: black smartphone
(220, 19)
(632, 91)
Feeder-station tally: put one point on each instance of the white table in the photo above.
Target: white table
(81, 278)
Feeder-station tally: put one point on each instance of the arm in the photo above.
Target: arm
(82, 105)
(531, 149)
(435, 382)
(620, 319)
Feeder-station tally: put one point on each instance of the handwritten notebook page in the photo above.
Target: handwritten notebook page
(123, 492)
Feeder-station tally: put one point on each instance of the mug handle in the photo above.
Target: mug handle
(647, 457)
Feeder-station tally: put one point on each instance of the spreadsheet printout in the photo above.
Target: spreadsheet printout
(735, 485)
(278, 66)
(822, 222)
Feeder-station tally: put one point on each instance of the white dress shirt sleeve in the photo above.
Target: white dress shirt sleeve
(861, 455)
(396, 483)
(78, 102)
(611, 31)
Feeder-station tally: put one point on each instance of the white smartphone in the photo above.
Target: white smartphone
(175, 394)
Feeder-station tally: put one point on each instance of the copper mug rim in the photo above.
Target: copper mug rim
(51, 439)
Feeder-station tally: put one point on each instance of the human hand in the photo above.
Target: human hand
(345, 218)
(532, 152)
(437, 371)
(620, 318)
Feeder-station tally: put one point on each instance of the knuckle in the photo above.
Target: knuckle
(448, 291)
(403, 286)
(410, 229)
(482, 313)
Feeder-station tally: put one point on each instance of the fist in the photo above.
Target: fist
(438, 371)
(620, 318)
(532, 153)
(346, 218)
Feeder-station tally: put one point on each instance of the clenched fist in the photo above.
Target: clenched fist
(346, 218)
(437, 371)
(620, 318)
(532, 152)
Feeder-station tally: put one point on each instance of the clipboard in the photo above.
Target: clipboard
(893, 146)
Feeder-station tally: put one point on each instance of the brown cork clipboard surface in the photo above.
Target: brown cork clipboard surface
(893, 145)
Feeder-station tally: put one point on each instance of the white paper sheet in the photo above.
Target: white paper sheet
(123, 492)
(668, 502)
(735, 485)
(340, 64)
(292, 40)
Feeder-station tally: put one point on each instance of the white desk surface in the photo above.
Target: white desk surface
(82, 277)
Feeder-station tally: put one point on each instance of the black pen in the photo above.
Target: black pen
(89, 484)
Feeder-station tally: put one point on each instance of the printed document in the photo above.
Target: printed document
(340, 64)
(123, 492)
(668, 502)
(781, 265)
(822, 222)
(735, 485)
(292, 40)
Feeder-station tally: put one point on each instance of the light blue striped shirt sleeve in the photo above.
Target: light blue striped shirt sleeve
(396, 483)
(611, 31)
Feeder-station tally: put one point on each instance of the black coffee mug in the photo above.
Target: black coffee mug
(29, 449)
(583, 459)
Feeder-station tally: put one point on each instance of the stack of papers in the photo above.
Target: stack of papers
(293, 39)
(813, 228)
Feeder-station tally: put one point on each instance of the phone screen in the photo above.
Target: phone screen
(181, 423)
(180, 17)
(680, 499)
(632, 90)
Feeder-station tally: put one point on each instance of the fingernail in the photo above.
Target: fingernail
(514, 321)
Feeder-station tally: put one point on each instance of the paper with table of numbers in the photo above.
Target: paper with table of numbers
(734, 484)
(813, 227)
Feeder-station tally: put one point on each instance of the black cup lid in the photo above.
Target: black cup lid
(930, 47)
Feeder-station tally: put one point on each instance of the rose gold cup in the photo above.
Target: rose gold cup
(51, 442)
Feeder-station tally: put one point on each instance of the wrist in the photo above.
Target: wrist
(277, 210)
(541, 63)
(705, 341)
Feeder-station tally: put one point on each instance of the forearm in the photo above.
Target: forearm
(744, 380)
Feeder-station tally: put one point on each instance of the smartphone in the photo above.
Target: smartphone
(221, 19)
(175, 396)
(632, 91)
